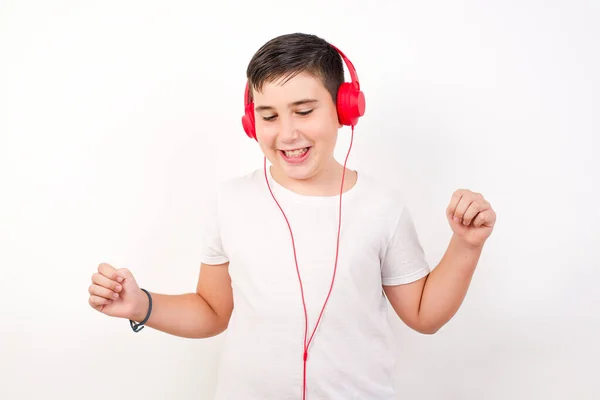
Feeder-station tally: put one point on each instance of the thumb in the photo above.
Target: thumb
(126, 278)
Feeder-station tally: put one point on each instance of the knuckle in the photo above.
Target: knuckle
(106, 269)
(124, 272)
(95, 290)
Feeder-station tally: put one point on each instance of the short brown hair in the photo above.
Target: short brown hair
(287, 55)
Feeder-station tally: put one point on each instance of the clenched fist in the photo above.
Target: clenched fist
(471, 217)
(115, 292)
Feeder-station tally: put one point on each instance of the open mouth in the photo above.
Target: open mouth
(296, 155)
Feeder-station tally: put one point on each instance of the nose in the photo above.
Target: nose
(288, 131)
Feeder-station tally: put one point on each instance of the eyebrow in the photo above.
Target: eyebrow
(295, 103)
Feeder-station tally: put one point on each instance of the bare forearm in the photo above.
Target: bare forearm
(186, 315)
(447, 285)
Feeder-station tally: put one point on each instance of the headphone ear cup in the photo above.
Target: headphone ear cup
(248, 121)
(350, 104)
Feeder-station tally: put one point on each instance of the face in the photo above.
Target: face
(296, 127)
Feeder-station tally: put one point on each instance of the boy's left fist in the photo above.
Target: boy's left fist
(471, 217)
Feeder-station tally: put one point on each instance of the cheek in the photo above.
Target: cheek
(321, 130)
(267, 145)
(267, 133)
(324, 137)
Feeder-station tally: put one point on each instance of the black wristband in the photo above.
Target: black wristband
(139, 326)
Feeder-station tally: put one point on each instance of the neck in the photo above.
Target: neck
(325, 182)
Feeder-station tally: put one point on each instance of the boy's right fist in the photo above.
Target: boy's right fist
(115, 292)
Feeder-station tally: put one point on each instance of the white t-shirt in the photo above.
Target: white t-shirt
(349, 357)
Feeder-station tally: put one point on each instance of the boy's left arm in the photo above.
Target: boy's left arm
(429, 303)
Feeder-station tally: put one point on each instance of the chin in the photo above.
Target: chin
(300, 167)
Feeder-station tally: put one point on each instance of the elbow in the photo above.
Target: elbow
(209, 331)
(427, 328)
(422, 326)
(220, 325)
(428, 331)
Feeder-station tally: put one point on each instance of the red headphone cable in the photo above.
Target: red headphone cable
(307, 344)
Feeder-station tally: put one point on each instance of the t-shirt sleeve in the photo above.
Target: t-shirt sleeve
(211, 249)
(404, 259)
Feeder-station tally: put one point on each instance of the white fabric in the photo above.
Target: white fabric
(349, 357)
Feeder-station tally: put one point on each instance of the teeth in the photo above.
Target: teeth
(296, 153)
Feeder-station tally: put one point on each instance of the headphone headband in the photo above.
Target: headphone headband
(351, 69)
(349, 65)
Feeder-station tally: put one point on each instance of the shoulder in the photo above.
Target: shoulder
(248, 180)
(240, 187)
(381, 194)
(383, 206)
(232, 193)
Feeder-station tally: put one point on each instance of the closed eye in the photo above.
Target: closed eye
(302, 113)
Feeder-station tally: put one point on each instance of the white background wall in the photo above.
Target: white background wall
(117, 118)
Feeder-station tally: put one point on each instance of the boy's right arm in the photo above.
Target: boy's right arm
(202, 314)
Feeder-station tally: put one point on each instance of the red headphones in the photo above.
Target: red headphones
(350, 102)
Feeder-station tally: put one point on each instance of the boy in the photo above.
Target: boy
(307, 250)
